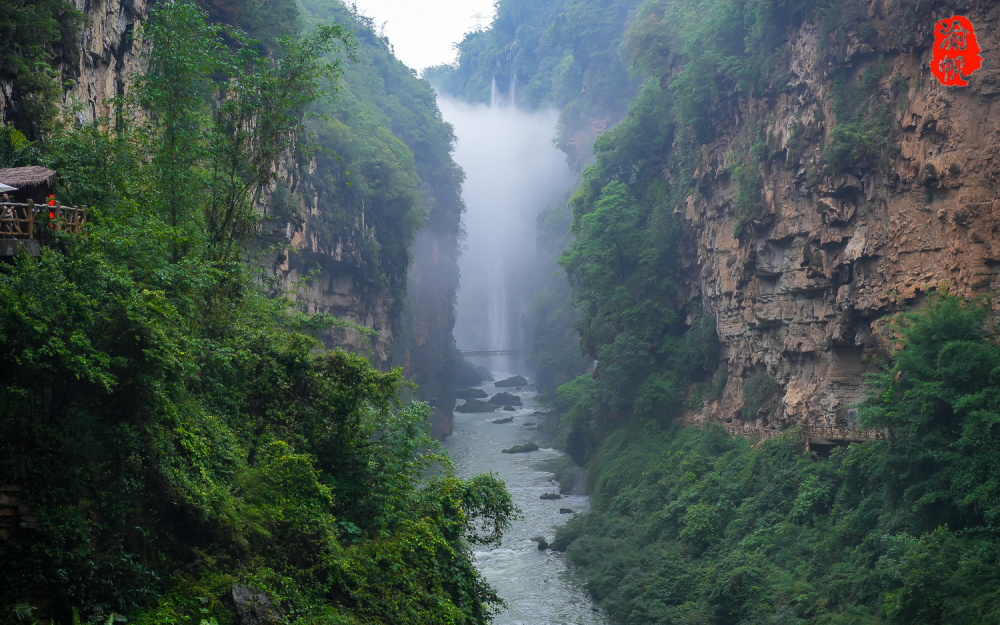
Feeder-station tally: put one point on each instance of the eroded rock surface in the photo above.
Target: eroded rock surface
(799, 296)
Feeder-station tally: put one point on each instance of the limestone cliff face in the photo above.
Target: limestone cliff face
(318, 276)
(799, 295)
(108, 55)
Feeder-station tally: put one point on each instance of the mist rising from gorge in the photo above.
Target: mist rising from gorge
(512, 172)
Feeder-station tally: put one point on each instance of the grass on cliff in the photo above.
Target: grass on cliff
(693, 526)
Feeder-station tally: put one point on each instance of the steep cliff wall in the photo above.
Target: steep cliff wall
(320, 279)
(110, 53)
(430, 349)
(798, 294)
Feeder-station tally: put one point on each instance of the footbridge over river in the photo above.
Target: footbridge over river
(472, 353)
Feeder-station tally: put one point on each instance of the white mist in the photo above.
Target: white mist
(512, 172)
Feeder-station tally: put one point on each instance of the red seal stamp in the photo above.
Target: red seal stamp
(956, 51)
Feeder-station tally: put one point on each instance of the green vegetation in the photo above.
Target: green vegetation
(176, 431)
(15, 149)
(388, 185)
(379, 154)
(749, 203)
(692, 526)
(365, 175)
(555, 354)
(724, 48)
(266, 21)
(566, 53)
(863, 132)
(650, 343)
(756, 391)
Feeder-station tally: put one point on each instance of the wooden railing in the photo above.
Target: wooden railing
(14, 512)
(25, 221)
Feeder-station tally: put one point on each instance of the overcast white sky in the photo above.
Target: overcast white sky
(423, 31)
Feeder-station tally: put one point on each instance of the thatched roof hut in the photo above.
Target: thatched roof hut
(25, 177)
(32, 182)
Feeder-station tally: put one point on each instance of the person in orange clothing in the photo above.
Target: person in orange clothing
(52, 214)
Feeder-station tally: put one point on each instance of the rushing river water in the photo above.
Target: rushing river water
(535, 584)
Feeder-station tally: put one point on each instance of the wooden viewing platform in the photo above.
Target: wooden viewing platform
(494, 352)
(23, 225)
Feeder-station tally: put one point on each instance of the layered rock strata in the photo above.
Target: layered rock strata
(799, 295)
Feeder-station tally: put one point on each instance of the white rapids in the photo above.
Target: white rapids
(536, 585)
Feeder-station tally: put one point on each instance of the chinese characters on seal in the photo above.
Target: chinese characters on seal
(956, 51)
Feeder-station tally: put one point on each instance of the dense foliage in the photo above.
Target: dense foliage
(266, 21)
(391, 193)
(176, 432)
(651, 344)
(692, 526)
(376, 172)
(554, 353)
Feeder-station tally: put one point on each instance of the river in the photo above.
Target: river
(535, 584)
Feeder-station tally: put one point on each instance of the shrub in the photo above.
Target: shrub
(759, 388)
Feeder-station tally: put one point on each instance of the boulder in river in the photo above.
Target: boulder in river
(509, 408)
(550, 496)
(542, 543)
(470, 393)
(503, 420)
(474, 405)
(514, 381)
(468, 374)
(505, 399)
(520, 449)
(566, 511)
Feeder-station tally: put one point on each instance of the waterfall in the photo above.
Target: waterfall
(496, 98)
(498, 304)
(512, 172)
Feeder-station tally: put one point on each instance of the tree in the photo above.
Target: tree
(220, 114)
